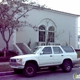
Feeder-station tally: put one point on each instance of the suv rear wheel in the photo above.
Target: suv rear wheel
(67, 66)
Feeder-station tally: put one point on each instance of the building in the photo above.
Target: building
(50, 27)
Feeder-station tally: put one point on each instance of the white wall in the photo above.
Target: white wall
(66, 27)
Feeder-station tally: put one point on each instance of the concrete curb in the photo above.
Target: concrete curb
(6, 73)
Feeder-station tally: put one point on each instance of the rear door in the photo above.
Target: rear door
(58, 55)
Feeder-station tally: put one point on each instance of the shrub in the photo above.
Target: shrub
(1, 53)
(8, 55)
(4, 59)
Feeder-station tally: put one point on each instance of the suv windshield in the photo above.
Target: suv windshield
(36, 49)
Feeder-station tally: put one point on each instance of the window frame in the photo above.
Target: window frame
(51, 38)
(42, 38)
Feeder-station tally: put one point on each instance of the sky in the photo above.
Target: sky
(71, 6)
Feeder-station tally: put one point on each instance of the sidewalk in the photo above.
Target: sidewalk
(7, 72)
(1, 63)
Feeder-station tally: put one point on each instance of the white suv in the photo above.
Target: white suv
(45, 56)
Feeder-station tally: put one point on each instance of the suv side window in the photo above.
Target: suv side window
(57, 50)
(67, 49)
(47, 50)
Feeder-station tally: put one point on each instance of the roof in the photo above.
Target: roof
(38, 6)
(67, 13)
(49, 9)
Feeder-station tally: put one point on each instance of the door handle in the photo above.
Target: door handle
(50, 55)
(62, 55)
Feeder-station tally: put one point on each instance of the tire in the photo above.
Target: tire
(67, 66)
(30, 70)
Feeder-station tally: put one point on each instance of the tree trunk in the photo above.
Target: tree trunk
(7, 48)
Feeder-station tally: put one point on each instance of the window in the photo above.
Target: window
(46, 35)
(57, 50)
(51, 34)
(67, 48)
(42, 33)
(47, 50)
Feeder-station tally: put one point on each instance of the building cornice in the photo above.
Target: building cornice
(55, 11)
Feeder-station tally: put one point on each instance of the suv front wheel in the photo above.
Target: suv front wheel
(30, 70)
(67, 66)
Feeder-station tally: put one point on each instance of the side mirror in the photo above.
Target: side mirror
(41, 52)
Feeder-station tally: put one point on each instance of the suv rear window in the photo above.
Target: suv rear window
(67, 48)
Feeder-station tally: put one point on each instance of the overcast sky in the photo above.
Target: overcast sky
(71, 6)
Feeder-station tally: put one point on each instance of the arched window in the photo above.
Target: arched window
(42, 33)
(51, 34)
